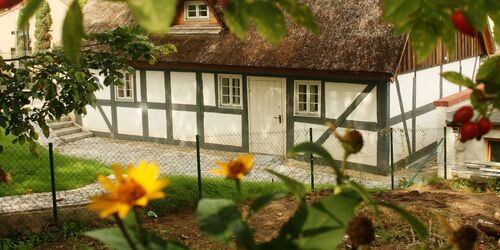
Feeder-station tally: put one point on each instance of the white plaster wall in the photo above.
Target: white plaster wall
(301, 132)
(94, 121)
(470, 67)
(103, 93)
(471, 151)
(340, 95)
(157, 123)
(394, 108)
(184, 125)
(183, 86)
(427, 86)
(208, 89)
(406, 88)
(129, 121)
(427, 131)
(448, 87)
(155, 86)
(7, 25)
(138, 85)
(399, 140)
(223, 129)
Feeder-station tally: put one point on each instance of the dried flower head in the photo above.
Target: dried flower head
(464, 238)
(352, 140)
(5, 176)
(360, 231)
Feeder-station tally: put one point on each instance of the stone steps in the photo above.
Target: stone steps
(76, 136)
(68, 131)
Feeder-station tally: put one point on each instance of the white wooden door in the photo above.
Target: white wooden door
(267, 115)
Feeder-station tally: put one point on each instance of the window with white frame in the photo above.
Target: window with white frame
(230, 91)
(125, 92)
(307, 97)
(196, 10)
(493, 153)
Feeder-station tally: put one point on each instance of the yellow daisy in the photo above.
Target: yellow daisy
(135, 189)
(234, 169)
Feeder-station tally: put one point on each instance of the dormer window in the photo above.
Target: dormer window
(196, 10)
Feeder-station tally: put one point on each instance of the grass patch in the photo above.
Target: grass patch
(32, 174)
(182, 192)
(475, 186)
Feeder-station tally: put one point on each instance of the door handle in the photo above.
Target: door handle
(278, 117)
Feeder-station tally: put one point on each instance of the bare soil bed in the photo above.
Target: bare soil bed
(391, 231)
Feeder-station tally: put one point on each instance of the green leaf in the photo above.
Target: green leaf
(333, 212)
(423, 39)
(28, 11)
(314, 148)
(365, 195)
(398, 10)
(112, 237)
(236, 17)
(73, 32)
(217, 218)
(268, 20)
(417, 225)
(296, 188)
(458, 79)
(262, 201)
(489, 69)
(153, 15)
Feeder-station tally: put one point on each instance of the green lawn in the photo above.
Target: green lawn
(32, 174)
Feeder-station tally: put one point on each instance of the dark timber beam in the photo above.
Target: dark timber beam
(383, 136)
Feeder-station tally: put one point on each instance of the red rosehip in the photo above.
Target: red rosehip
(460, 21)
(468, 131)
(5, 4)
(484, 126)
(463, 114)
(222, 3)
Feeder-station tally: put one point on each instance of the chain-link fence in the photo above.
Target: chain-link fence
(72, 168)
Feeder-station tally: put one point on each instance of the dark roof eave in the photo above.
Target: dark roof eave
(338, 75)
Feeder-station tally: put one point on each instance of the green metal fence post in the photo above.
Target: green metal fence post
(198, 165)
(53, 184)
(445, 155)
(311, 159)
(392, 159)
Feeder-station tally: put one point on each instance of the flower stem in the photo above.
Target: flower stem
(238, 187)
(119, 222)
(142, 232)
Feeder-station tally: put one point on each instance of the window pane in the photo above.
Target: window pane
(313, 107)
(225, 99)
(225, 82)
(225, 90)
(121, 93)
(202, 7)
(495, 151)
(203, 10)
(302, 97)
(191, 7)
(236, 100)
(203, 13)
(302, 107)
(314, 89)
(302, 88)
(129, 93)
(314, 98)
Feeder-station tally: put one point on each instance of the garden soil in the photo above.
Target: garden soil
(391, 231)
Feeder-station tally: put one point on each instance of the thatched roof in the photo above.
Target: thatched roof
(353, 39)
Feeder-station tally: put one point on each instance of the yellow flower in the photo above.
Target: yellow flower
(234, 169)
(136, 188)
